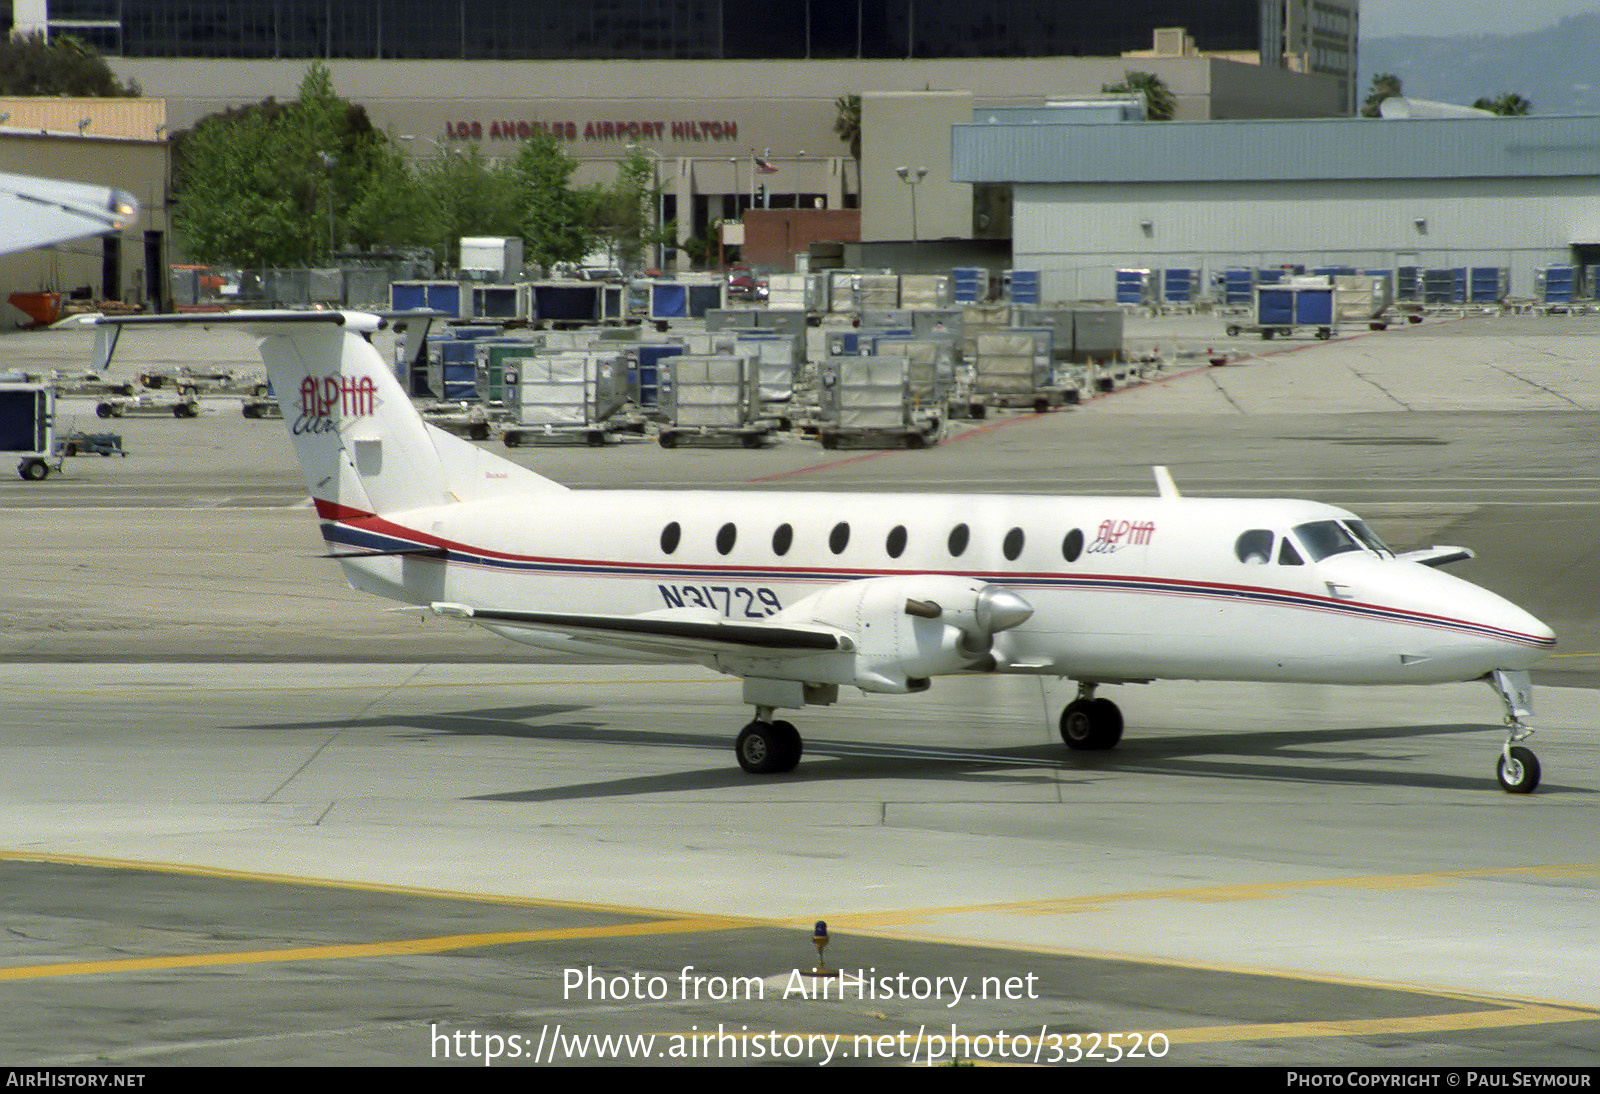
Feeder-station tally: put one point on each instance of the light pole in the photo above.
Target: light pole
(911, 176)
(660, 204)
(328, 162)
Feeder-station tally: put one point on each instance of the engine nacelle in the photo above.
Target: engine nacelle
(908, 629)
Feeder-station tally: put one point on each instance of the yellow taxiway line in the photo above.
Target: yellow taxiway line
(1486, 1011)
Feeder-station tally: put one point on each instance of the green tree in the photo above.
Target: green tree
(462, 194)
(1507, 104)
(847, 123)
(556, 222)
(1384, 86)
(254, 186)
(392, 209)
(232, 204)
(626, 211)
(63, 65)
(1159, 102)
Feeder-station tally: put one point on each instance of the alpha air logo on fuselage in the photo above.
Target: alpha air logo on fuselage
(328, 400)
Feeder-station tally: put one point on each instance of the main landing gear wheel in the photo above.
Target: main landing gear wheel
(1518, 770)
(1091, 724)
(768, 748)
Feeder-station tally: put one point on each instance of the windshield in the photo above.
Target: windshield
(1323, 538)
(1365, 535)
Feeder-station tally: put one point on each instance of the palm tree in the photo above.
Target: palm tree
(1384, 86)
(1159, 102)
(1506, 104)
(847, 123)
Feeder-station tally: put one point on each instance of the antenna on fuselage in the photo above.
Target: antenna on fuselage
(1164, 484)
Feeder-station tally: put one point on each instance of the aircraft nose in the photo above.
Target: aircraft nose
(1524, 638)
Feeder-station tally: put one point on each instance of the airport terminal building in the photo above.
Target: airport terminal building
(709, 87)
(1263, 163)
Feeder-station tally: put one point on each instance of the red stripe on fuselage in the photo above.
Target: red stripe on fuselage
(371, 522)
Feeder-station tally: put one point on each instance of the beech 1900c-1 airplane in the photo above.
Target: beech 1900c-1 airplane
(799, 594)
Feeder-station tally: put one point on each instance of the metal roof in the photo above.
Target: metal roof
(1031, 146)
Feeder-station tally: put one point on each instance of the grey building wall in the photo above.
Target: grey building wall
(1080, 234)
(911, 130)
(1088, 200)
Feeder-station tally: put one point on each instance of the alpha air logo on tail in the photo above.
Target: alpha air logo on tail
(328, 400)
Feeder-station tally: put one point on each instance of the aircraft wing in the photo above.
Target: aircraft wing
(37, 212)
(1438, 556)
(673, 633)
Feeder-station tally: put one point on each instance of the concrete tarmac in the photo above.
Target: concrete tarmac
(251, 817)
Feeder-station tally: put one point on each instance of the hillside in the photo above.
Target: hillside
(1552, 67)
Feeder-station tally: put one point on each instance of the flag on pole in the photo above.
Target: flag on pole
(764, 166)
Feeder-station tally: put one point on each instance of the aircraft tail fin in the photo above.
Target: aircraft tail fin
(362, 446)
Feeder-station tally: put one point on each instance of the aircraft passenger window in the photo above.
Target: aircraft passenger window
(670, 536)
(782, 539)
(839, 538)
(1072, 546)
(958, 540)
(1254, 547)
(725, 538)
(1013, 544)
(1323, 538)
(896, 542)
(1288, 556)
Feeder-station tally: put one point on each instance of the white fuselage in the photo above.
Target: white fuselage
(1121, 588)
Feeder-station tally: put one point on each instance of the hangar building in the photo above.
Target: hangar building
(1514, 192)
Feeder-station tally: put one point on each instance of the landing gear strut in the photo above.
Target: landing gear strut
(1518, 768)
(767, 747)
(1090, 724)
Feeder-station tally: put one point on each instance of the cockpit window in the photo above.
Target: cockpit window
(1254, 546)
(1365, 535)
(1287, 555)
(1324, 538)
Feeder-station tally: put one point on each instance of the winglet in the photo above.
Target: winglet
(1164, 484)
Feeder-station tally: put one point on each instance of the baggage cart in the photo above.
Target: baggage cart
(713, 399)
(565, 398)
(27, 428)
(1289, 308)
(1014, 368)
(79, 443)
(870, 401)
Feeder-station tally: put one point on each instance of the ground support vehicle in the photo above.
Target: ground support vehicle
(79, 443)
(463, 419)
(148, 406)
(27, 428)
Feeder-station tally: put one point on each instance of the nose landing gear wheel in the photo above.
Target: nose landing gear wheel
(768, 748)
(1518, 770)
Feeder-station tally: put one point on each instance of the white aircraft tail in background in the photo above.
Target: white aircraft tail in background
(800, 594)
